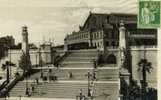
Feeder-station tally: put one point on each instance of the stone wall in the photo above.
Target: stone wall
(151, 56)
(15, 54)
(138, 54)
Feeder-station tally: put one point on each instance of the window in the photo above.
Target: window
(107, 43)
(98, 44)
(101, 34)
(97, 34)
(113, 43)
(93, 44)
(101, 44)
(94, 35)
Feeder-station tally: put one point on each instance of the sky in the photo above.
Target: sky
(53, 19)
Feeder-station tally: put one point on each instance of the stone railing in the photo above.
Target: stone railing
(9, 86)
(149, 46)
(135, 47)
(144, 47)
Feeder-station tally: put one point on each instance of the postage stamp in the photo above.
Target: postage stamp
(148, 14)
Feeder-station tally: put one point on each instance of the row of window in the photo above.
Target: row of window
(78, 36)
(97, 35)
(98, 44)
(111, 35)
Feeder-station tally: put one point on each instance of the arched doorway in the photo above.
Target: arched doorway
(111, 59)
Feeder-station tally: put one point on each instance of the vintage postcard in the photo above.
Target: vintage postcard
(79, 49)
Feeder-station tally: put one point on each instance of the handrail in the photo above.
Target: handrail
(3, 85)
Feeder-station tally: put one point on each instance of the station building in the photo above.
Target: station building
(102, 30)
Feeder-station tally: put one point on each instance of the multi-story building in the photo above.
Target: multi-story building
(102, 30)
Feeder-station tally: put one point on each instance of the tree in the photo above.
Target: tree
(25, 63)
(6, 67)
(144, 67)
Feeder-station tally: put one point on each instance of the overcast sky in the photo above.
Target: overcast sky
(53, 18)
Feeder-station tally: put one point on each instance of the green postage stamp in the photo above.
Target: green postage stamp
(148, 14)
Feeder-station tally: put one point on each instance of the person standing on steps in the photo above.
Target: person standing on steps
(32, 88)
(94, 64)
(70, 75)
(37, 81)
(94, 75)
(81, 97)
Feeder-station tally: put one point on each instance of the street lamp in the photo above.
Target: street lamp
(25, 72)
(27, 91)
(89, 75)
(40, 62)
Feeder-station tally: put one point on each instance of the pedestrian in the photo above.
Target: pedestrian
(27, 91)
(41, 76)
(80, 94)
(70, 75)
(90, 93)
(37, 81)
(94, 75)
(32, 88)
(94, 64)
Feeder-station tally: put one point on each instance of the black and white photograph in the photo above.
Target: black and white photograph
(79, 49)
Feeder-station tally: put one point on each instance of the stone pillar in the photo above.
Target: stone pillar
(122, 43)
(25, 44)
(25, 47)
(124, 73)
(122, 38)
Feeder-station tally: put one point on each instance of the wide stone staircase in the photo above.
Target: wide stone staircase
(80, 58)
(102, 74)
(79, 63)
(60, 89)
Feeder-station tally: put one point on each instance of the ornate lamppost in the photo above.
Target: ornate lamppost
(88, 76)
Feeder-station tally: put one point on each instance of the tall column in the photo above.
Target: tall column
(122, 38)
(124, 73)
(25, 45)
(122, 43)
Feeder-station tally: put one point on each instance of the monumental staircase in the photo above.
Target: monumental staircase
(79, 63)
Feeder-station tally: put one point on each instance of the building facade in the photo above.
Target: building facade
(102, 30)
